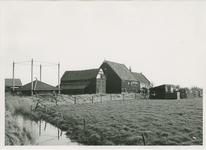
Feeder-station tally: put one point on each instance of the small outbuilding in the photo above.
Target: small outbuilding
(166, 91)
(9, 84)
(119, 78)
(38, 88)
(83, 82)
(183, 92)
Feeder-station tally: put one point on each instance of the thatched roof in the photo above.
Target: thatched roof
(79, 75)
(8, 82)
(140, 77)
(121, 70)
(37, 86)
(72, 86)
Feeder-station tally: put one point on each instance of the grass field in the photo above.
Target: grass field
(161, 122)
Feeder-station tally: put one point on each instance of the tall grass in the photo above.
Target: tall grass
(15, 135)
(16, 104)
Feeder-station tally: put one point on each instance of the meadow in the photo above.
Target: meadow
(127, 122)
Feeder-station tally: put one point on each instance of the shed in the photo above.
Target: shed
(38, 87)
(183, 92)
(165, 91)
(119, 78)
(83, 82)
(9, 84)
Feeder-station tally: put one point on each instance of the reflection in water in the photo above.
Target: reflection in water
(40, 128)
(45, 126)
(48, 134)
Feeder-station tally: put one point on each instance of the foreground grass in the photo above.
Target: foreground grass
(162, 122)
(14, 134)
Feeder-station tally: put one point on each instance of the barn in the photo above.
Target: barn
(165, 91)
(83, 82)
(119, 78)
(9, 84)
(38, 88)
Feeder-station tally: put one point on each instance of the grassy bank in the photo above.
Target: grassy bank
(117, 122)
(14, 134)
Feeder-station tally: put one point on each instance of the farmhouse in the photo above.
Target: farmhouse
(9, 84)
(165, 91)
(119, 78)
(143, 82)
(38, 87)
(83, 82)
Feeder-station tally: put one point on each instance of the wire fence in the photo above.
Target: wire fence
(61, 99)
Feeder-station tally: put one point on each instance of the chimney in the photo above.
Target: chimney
(130, 69)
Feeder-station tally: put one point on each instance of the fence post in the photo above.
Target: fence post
(123, 96)
(56, 100)
(101, 98)
(84, 124)
(143, 138)
(101, 138)
(45, 108)
(75, 100)
(31, 109)
(61, 115)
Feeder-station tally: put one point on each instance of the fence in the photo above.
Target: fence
(46, 100)
(93, 98)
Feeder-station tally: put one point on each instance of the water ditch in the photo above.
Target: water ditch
(44, 132)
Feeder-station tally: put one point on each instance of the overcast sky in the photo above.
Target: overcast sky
(166, 41)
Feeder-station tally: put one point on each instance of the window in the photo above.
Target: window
(166, 88)
(172, 90)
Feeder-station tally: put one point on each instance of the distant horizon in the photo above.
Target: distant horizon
(38, 78)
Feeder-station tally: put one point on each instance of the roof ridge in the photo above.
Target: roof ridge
(134, 75)
(145, 77)
(80, 74)
(82, 70)
(140, 77)
(121, 70)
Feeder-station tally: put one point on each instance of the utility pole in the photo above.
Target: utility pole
(59, 77)
(40, 72)
(13, 77)
(32, 77)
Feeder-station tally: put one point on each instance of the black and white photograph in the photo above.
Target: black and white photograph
(102, 73)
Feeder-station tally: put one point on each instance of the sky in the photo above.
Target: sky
(166, 41)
